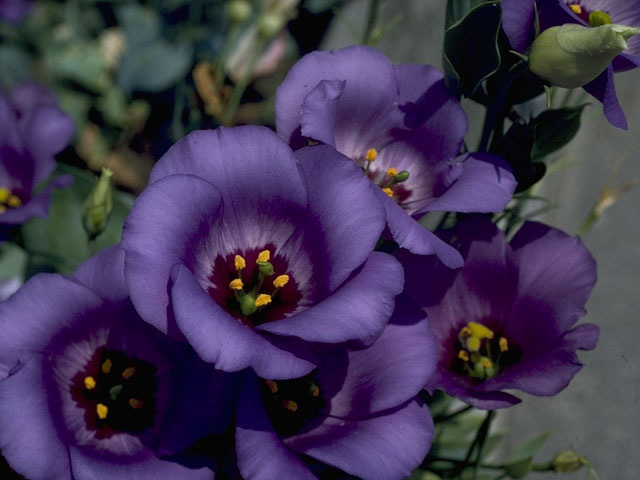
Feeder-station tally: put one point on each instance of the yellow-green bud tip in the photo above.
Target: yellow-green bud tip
(98, 205)
(569, 461)
(239, 11)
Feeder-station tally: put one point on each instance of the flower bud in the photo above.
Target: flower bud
(572, 55)
(270, 25)
(239, 11)
(98, 205)
(569, 461)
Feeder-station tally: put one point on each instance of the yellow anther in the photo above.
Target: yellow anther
(135, 403)
(315, 390)
(281, 281)
(89, 383)
(473, 344)
(14, 201)
(504, 344)
(4, 194)
(106, 366)
(290, 405)
(264, 256)
(272, 386)
(371, 155)
(577, 9)
(392, 172)
(127, 373)
(236, 284)
(102, 410)
(465, 332)
(263, 299)
(480, 331)
(239, 262)
(3, 209)
(388, 191)
(486, 363)
(463, 355)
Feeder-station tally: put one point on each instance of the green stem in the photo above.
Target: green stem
(444, 418)
(372, 18)
(230, 39)
(587, 223)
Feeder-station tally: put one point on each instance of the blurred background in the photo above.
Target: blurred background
(135, 77)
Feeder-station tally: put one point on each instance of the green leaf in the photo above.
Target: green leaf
(521, 458)
(60, 241)
(553, 129)
(155, 66)
(140, 24)
(458, 9)
(14, 65)
(470, 50)
(79, 62)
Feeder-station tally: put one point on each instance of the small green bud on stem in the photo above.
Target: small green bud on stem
(98, 205)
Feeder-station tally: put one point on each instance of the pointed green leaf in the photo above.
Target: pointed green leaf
(553, 129)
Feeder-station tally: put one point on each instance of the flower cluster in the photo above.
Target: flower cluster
(247, 325)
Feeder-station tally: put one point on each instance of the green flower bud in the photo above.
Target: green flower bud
(239, 11)
(572, 55)
(269, 25)
(98, 205)
(569, 461)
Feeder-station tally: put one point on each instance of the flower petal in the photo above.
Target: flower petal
(318, 119)
(517, 22)
(104, 274)
(604, 89)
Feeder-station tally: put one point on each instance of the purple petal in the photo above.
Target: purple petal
(29, 439)
(222, 340)
(318, 117)
(366, 109)
(378, 448)
(104, 274)
(348, 212)
(358, 310)
(485, 185)
(389, 372)
(604, 89)
(9, 132)
(517, 22)
(261, 453)
(165, 222)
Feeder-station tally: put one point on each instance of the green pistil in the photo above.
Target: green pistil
(598, 18)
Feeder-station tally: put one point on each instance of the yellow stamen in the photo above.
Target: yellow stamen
(371, 155)
(128, 373)
(480, 331)
(3, 209)
(388, 191)
(504, 344)
(239, 262)
(102, 410)
(281, 281)
(89, 383)
(473, 344)
(465, 332)
(263, 299)
(135, 403)
(106, 366)
(463, 355)
(264, 256)
(272, 386)
(14, 201)
(486, 363)
(576, 8)
(4, 194)
(315, 390)
(236, 284)
(392, 172)
(290, 405)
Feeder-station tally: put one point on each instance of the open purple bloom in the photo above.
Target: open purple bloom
(357, 411)
(13, 11)
(518, 23)
(504, 320)
(238, 243)
(399, 124)
(33, 131)
(89, 390)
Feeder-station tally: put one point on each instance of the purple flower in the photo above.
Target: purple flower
(89, 390)
(518, 24)
(13, 11)
(403, 129)
(504, 320)
(357, 411)
(238, 245)
(33, 131)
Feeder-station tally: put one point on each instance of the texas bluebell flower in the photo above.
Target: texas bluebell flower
(402, 127)
(504, 320)
(518, 23)
(89, 390)
(237, 243)
(33, 131)
(357, 411)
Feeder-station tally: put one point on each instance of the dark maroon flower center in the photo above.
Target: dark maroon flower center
(254, 286)
(9, 199)
(595, 18)
(481, 354)
(117, 392)
(291, 404)
(390, 180)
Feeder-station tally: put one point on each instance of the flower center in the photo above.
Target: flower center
(390, 180)
(290, 404)
(8, 199)
(117, 392)
(481, 353)
(595, 18)
(254, 287)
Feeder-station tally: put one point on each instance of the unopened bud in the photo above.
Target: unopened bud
(572, 55)
(98, 205)
(269, 25)
(239, 11)
(569, 461)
